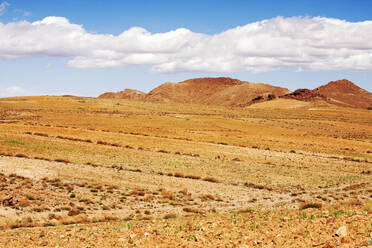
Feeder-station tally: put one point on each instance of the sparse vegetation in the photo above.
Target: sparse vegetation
(307, 205)
(178, 180)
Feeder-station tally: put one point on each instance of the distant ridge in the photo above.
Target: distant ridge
(346, 93)
(216, 91)
(125, 94)
(342, 93)
(233, 92)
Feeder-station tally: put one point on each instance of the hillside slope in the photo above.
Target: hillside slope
(233, 92)
(345, 93)
(214, 91)
(125, 94)
(342, 93)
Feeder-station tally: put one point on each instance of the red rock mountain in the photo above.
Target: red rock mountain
(125, 94)
(216, 91)
(341, 93)
(233, 92)
(345, 93)
(304, 95)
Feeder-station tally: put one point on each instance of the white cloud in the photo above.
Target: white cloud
(3, 7)
(304, 43)
(12, 91)
(23, 12)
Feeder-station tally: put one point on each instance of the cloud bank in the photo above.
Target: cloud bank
(309, 44)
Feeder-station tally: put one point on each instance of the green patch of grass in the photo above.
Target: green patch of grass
(336, 213)
(13, 142)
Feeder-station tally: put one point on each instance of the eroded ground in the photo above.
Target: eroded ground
(193, 175)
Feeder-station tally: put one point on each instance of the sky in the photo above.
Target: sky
(86, 48)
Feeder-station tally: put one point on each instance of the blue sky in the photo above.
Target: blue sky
(50, 71)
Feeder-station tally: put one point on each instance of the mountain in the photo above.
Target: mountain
(216, 91)
(125, 94)
(233, 92)
(305, 95)
(345, 93)
(342, 93)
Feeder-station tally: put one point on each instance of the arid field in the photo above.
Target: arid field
(95, 172)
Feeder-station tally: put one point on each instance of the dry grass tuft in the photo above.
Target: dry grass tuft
(193, 177)
(170, 216)
(193, 210)
(20, 155)
(211, 179)
(353, 202)
(256, 186)
(179, 174)
(60, 160)
(307, 205)
(207, 197)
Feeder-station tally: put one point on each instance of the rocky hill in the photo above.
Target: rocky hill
(341, 93)
(125, 94)
(345, 93)
(216, 91)
(233, 92)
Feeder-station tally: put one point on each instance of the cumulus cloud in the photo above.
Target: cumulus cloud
(12, 91)
(304, 43)
(3, 6)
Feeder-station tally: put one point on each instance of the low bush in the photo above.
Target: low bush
(307, 205)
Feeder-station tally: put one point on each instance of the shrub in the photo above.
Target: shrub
(245, 210)
(138, 191)
(192, 177)
(354, 202)
(41, 134)
(254, 186)
(37, 209)
(73, 212)
(30, 197)
(60, 160)
(236, 159)
(168, 195)
(211, 179)
(19, 155)
(179, 174)
(170, 216)
(193, 210)
(207, 197)
(306, 205)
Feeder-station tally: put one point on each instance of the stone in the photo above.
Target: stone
(342, 231)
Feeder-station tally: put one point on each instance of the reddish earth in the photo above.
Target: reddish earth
(125, 94)
(341, 93)
(304, 95)
(233, 92)
(216, 91)
(345, 93)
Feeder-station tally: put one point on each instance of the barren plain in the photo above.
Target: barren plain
(89, 172)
